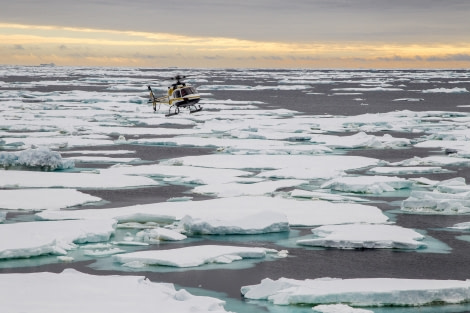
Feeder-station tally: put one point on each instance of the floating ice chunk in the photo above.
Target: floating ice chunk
(185, 174)
(338, 308)
(360, 291)
(367, 184)
(194, 256)
(258, 223)
(436, 202)
(51, 237)
(409, 99)
(360, 140)
(3, 216)
(339, 162)
(298, 193)
(43, 199)
(299, 213)
(42, 158)
(461, 226)
(247, 189)
(30, 179)
(75, 292)
(356, 236)
(314, 171)
(434, 160)
(103, 252)
(446, 90)
(155, 235)
(101, 159)
(406, 170)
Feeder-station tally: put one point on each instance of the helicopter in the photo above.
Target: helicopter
(180, 95)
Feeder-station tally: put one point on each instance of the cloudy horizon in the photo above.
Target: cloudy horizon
(258, 33)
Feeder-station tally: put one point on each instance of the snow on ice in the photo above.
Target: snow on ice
(367, 184)
(29, 239)
(44, 199)
(192, 256)
(298, 212)
(364, 292)
(358, 236)
(42, 158)
(75, 292)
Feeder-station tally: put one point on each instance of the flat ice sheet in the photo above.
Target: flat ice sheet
(298, 212)
(359, 292)
(75, 292)
(367, 184)
(356, 236)
(30, 179)
(191, 256)
(43, 199)
(51, 237)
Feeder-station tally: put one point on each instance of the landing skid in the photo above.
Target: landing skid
(176, 111)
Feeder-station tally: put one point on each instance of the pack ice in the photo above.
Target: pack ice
(72, 291)
(365, 292)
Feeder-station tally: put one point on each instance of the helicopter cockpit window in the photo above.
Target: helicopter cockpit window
(176, 94)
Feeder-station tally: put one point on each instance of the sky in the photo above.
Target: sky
(238, 33)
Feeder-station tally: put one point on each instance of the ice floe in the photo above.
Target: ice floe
(358, 236)
(41, 158)
(338, 308)
(446, 90)
(30, 179)
(258, 223)
(405, 170)
(298, 212)
(29, 239)
(72, 291)
(367, 184)
(43, 199)
(364, 292)
(360, 140)
(192, 256)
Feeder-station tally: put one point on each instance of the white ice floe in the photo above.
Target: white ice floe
(435, 202)
(33, 179)
(258, 223)
(450, 196)
(446, 90)
(192, 256)
(298, 212)
(51, 237)
(367, 184)
(434, 160)
(75, 292)
(461, 226)
(358, 236)
(364, 292)
(247, 189)
(322, 195)
(41, 158)
(157, 234)
(338, 308)
(183, 174)
(359, 140)
(405, 170)
(43, 199)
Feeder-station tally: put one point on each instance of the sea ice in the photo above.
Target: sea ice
(258, 223)
(322, 195)
(193, 256)
(41, 158)
(32, 179)
(357, 236)
(359, 140)
(247, 189)
(338, 308)
(446, 90)
(406, 170)
(367, 184)
(362, 292)
(43, 199)
(75, 292)
(435, 202)
(298, 212)
(51, 237)
(157, 234)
